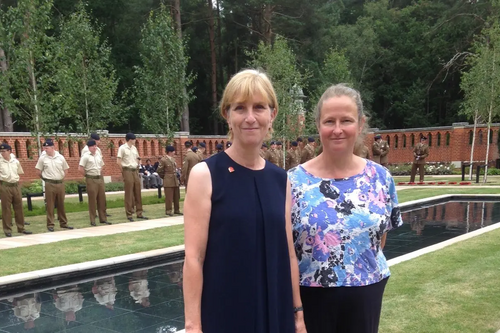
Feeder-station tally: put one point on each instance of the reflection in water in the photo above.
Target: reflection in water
(27, 308)
(417, 224)
(68, 300)
(138, 287)
(147, 300)
(104, 291)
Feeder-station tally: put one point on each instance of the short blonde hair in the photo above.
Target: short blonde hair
(242, 87)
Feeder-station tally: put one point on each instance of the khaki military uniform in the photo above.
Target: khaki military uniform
(92, 164)
(292, 158)
(10, 194)
(362, 151)
(86, 150)
(307, 153)
(53, 172)
(420, 152)
(273, 156)
(190, 160)
(380, 150)
(200, 155)
(263, 153)
(132, 182)
(167, 171)
(280, 158)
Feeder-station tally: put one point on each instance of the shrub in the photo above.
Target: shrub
(430, 169)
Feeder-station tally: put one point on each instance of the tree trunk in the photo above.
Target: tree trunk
(178, 27)
(213, 73)
(267, 32)
(219, 40)
(490, 113)
(5, 116)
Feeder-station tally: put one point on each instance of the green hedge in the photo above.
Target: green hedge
(430, 169)
(71, 187)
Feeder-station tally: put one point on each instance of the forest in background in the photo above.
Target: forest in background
(406, 57)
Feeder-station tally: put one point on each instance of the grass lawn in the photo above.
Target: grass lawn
(492, 180)
(456, 289)
(421, 193)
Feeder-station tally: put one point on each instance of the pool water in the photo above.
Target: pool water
(150, 300)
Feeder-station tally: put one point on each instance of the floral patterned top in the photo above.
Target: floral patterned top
(338, 225)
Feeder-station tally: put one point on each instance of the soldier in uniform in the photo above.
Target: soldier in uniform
(263, 151)
(219, 148)
(52, 168)
(300, 146)
(201, 151)
(128, 162)
(10, 191)
(292, 156)
(272, 154)
(68, 300)
(167, 170)
(420, 152)
(279, 145)
(96, 138)
(362, 150)
(308, 152)
(380, 149)
(190, 160)
(90, 167)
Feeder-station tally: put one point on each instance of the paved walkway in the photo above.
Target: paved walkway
(57, 236)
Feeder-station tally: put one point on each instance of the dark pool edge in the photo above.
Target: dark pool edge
(47, 278)
(439, 199)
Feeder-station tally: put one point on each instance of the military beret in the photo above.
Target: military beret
(310, 139)
(95, 136)
(5, 146)
(264, 145)
(272, 143)
(48, 143)
(294, 143)
(91, 143)
(130, 136)
(378, 136)
(195, 149)
(170, 149)
(203, 145)
(218, 146)
(188, 144)
(279, 143)
(228, 144)
(299, 139)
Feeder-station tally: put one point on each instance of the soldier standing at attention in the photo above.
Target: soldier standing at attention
(280, 154)
(201, 151)
(300, 146)
(292, 156)
(10, 191)
(166, 170)
(263, 151)
(96, 138)
(190, 160)
(380, 149)
(127, 160)
(90, 167)
(272, 154)
(420, 152)
(52, 168)
(219, 148)
(362, 150)
(308, 152)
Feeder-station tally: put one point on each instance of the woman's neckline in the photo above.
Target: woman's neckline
(242, 166)
(337, 179)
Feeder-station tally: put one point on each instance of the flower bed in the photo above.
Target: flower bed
(452, 183)
(441, 183)
(465, 183)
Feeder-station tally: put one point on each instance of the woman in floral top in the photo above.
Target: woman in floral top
(342, 207)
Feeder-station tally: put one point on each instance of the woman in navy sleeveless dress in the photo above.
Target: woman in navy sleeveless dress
(240, 272)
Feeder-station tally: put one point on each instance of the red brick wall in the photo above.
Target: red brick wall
(149, 146)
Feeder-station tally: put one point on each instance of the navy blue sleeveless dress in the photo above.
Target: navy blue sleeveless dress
(246, 274)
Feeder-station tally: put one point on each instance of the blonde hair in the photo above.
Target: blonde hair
(242, 87)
